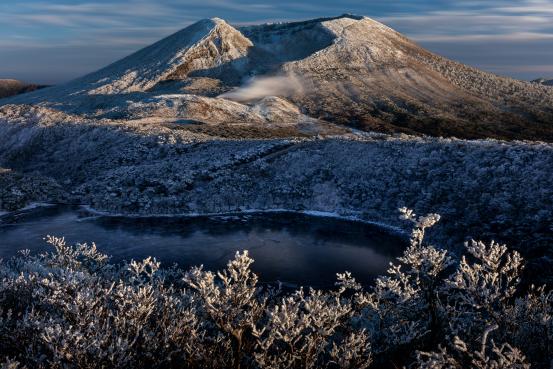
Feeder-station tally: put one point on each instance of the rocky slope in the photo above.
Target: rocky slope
(375, 78)
(349, 70)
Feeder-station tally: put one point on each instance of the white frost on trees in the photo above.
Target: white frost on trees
(71, 308)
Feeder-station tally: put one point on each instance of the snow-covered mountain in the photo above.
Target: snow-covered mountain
(347, 70)
(208, 44)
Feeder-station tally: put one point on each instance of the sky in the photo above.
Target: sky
(53, 41)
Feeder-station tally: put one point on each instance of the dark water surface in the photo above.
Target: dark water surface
(291, 248)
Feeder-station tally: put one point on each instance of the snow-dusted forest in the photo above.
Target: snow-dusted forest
(486, 189)
(71, 308)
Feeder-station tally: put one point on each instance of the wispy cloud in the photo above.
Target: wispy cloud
(514, 36)
(485, 20)
(95, 15)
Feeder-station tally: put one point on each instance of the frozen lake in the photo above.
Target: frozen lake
(295, 249)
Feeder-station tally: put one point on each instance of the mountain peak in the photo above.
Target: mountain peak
(208, 22)
(348, 16)
(218, 20)
(205, 44)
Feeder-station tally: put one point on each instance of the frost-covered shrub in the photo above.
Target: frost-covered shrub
(71, 308)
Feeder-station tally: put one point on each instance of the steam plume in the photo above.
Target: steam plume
(258, 88)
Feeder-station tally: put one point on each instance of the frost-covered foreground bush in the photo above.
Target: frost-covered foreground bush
(73, 309)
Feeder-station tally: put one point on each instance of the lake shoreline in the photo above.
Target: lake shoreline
(292, 247)
(314, 213)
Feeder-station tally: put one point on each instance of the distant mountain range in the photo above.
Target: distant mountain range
(11, 87)
(543, 81)
(349, 71)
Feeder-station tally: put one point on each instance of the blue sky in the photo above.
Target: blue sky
(57, 40)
